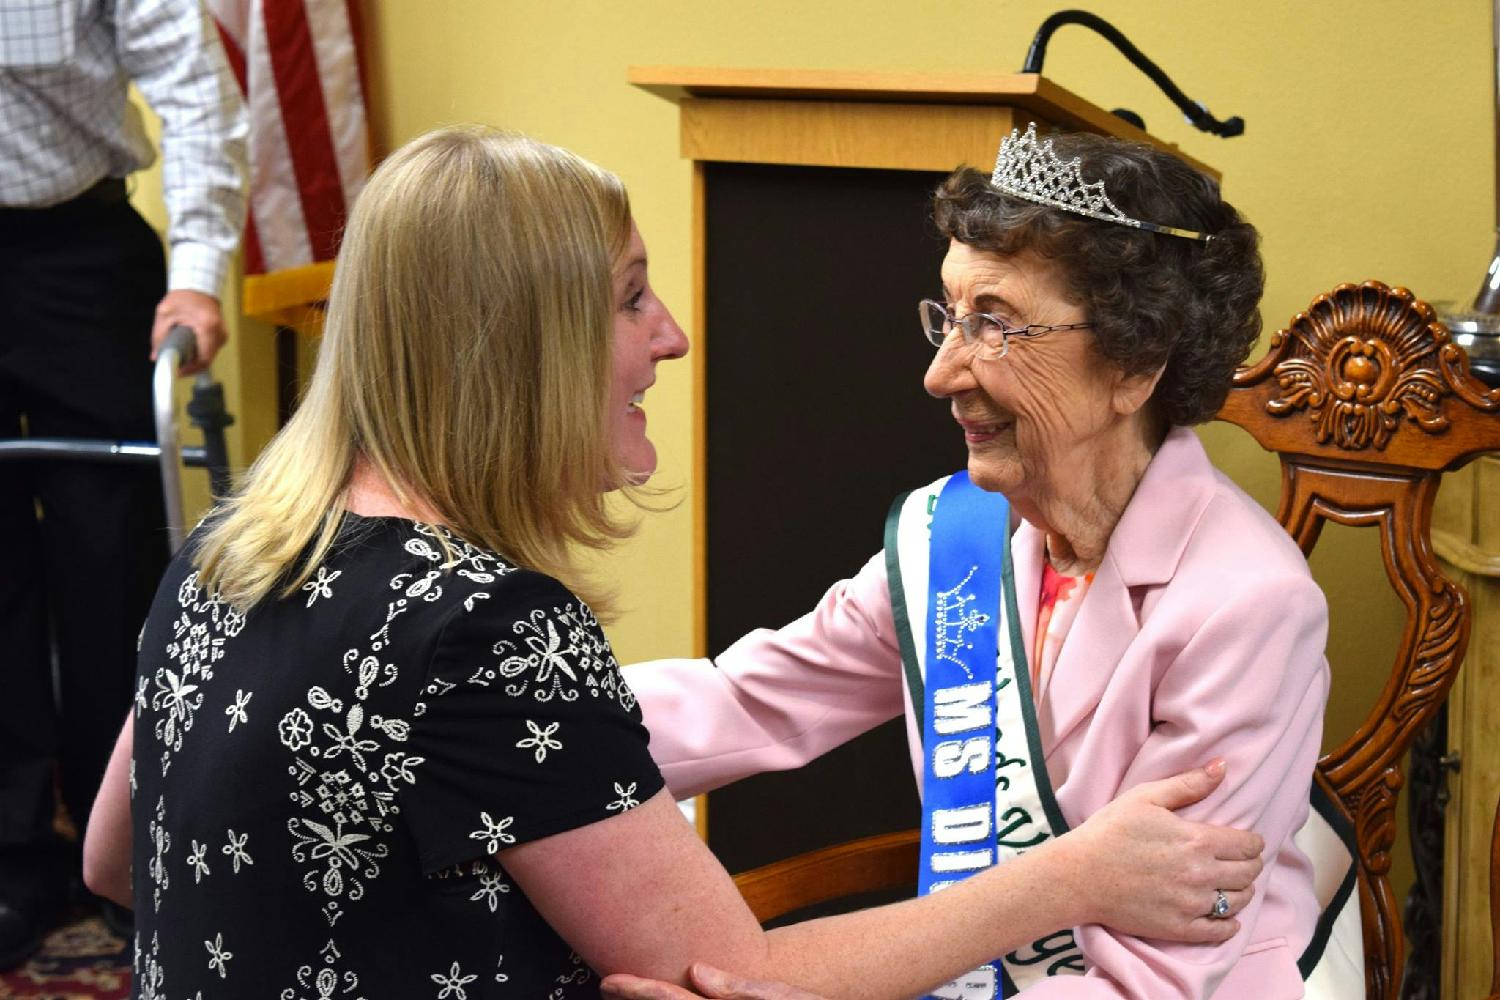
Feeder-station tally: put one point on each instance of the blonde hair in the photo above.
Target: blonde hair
(466, 356)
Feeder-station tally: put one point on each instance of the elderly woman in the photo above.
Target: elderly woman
(1097, 296)
(380, 747)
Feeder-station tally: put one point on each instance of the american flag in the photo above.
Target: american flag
(298, 64)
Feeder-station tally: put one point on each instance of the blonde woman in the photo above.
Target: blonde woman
(380, 747)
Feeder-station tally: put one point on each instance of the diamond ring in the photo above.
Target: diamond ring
(1221, 905)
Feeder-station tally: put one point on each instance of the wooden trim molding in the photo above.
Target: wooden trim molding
(828, 134)
(1032, 97)
(1465, 555)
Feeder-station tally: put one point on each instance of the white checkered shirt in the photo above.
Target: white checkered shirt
(65, 122)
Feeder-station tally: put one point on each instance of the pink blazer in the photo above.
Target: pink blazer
(1202, 635)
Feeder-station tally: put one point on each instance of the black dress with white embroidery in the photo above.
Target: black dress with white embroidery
(318, 786)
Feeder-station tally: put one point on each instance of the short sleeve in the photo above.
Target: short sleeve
(524, 728)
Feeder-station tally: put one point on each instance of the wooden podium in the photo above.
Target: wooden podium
(812, 244)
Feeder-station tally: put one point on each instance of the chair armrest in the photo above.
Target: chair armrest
(884, 861)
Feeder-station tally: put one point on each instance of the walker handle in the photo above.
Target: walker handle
(178, 348)
(182, 340)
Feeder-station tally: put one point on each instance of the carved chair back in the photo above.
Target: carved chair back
(1367, 401)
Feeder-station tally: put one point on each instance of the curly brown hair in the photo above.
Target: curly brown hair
(1153, 300)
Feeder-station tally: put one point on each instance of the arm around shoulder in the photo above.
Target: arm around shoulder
(776, 699)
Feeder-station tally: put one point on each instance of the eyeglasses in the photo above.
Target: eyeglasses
(988, 334)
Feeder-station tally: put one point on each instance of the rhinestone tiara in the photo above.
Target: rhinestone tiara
(1028, 168)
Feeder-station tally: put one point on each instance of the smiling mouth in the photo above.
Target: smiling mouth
(977, 430)
(634, 406)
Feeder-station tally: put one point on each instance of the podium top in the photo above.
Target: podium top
(1030, 92)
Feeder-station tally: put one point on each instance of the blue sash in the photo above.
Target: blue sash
(963, 636)
(953, 600)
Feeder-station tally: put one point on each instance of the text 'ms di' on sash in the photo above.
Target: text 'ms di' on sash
(985, 792)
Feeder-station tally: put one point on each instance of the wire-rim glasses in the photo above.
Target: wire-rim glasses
(986, 333)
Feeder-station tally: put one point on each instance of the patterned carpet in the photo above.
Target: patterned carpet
(81, 960)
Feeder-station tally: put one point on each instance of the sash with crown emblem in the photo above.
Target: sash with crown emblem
(986, 795)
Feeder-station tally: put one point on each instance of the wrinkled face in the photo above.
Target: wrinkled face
(645, 333)
(1032, 415)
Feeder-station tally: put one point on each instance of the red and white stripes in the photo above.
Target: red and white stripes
(298, 63)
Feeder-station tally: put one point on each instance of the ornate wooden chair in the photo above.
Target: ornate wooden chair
(1366, 401)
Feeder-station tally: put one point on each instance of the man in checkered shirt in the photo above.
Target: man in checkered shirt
(85, 297)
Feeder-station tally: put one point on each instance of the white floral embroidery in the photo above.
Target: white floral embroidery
(626, 798)
(565, 654)
(161, 843)
(547, 662)
(578, 974)
(349, 771)
(336, 850)
(176, 695)
(133, 785)
(382, 636)
(218, 956)
(150, 979)
(236, 712)
(475, 564)
(327, 983)
(493, 833)
(397, 767)
(235, 850)
(196, 860)
(501, 977)
(371, 673)
(199, 634)
(492, 886)
(295, 729)
(453, 983)
(540, 739)
(347, 740)
(424, 586)
(319, 585)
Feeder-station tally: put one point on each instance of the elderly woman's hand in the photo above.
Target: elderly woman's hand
(712, 982)
(1153, 874)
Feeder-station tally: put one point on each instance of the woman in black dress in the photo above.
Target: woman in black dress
(380, 746)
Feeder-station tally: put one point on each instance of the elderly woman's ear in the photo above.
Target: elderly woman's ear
(1132, 392)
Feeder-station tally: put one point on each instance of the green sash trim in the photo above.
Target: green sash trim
(1324, 806)
(1044, 789)
(915, 686)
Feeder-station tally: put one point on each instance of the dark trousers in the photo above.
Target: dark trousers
(82, 545)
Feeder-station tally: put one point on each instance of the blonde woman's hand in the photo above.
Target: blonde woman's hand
(1152, 874)
(713, 983)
